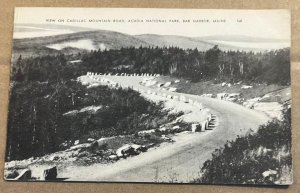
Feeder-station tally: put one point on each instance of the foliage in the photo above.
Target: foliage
(42, 91)
(37, 124)
(267, 67)
(247, 157)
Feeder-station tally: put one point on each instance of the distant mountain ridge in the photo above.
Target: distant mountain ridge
(86, 39)
(176, 41)
(99, 39)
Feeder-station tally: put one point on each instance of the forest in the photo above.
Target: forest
(43, 89)
(243, 160)
(42, 116)
(271, 67)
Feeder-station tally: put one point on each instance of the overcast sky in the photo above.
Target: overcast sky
(257, 23)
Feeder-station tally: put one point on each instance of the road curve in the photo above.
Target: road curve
(182, 160)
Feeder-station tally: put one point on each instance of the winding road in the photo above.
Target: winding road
(180, 161)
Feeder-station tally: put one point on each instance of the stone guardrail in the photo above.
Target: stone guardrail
(195, 127)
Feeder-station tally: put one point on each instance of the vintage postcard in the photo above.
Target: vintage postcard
(150, 95)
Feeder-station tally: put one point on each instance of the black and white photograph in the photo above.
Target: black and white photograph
(197, 96)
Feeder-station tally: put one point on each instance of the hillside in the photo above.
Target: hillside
(48, 117)
(189, 42)
(86, 40)
(176, 41)
(70, 40)
(265, 153)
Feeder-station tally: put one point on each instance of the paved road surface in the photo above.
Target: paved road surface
(182, 160)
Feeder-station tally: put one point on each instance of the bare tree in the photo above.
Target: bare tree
(221, 70)
(173, 68)
(241, 65)
(231, 70)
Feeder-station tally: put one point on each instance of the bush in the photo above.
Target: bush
(37, 124)
(246, 158)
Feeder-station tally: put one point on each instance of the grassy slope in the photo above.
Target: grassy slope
(209, 87)
(245, 159)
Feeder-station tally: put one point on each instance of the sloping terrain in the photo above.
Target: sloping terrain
(34, 40)
(100, 39)
(179, 162)
(176, 41)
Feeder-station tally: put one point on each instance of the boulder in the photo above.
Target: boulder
(125, 150)
(146, 132)
(113, 157)
(172, 89)
(137, 148)
(54, 158)
(160, 85)
(51, 173)
(167, 138)
(163, 129)
(76, 142)
(246, 87)
(81, 146)
(167, 84)
(270, 174)
(176, 128)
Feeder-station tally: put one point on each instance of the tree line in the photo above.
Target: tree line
(42, 91)
(213, 64)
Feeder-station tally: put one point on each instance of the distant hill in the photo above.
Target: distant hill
(176, 41)
(86, 40)
(224, 42)
(78, 39)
